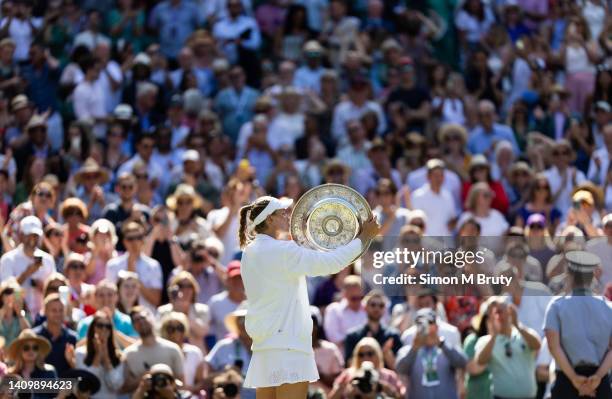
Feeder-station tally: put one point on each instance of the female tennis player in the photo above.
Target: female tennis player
(278, 316)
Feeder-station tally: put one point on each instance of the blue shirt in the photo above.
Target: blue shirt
(481, 141)
(42, 86)
(57, 357)
(174, 24)
(121, 322)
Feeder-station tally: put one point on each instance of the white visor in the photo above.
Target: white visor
(274, 205)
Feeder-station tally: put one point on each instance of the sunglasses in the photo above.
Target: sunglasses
(55, 234)
(379, 305)
(28, 348)
(381, 193)
(133, 238)
(184, 285)
(545, 187)
(142, 176)
(536, 226)
(175, 328)
(355, 298)
(44, 194)
(362, 355)
(126, 186)
(184, 202)
(561, 153)
(104, 326)
(454, 138)
(73, 212)
(76, 265)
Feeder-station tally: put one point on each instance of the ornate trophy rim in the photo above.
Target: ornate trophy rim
(301, 217)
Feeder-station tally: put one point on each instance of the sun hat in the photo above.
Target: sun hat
(27, 335)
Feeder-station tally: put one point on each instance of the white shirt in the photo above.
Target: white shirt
(193, 358)
(148, 269)
(534, 301)
(493, 225)
(15, 262)
(418, 178)
(90, 39)
(112, 97)
(229, 29)
(89, 102)
(278, 316)
(21, 32)
(285, 129)
(564, 201)
(439, 208)
(598, 176)
(216, 218)
(346, 111)
(308, 79)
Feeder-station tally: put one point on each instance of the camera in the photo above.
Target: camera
(422, 325)
(366, 378)
(159, 381)
(230, 390)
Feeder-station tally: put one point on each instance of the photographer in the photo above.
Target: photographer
(430, 362)
(159, 383)
(226, 385)
(367, 356)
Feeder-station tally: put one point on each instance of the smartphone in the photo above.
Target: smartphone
(38, 259)
(64, 294)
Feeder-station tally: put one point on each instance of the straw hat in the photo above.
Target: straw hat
(596, 192)
(231, 320)
(184, 190)
(28, 335)
(91, 167)
(451, 128)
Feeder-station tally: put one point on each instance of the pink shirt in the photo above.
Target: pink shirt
(328, 358)
(339, 319)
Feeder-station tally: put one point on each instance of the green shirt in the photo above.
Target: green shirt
(476, 386)
(511, 361)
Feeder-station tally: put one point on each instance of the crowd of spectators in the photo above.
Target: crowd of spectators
(133, 131)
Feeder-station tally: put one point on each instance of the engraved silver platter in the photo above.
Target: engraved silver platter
(329, 216)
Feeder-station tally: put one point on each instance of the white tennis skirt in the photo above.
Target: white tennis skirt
(274, 367)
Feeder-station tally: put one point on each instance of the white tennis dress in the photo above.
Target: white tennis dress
(278, 317)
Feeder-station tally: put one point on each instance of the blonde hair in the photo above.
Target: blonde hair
(185, 275)
(475, 190)
(174, 316)
(351, 281)
(367, 342)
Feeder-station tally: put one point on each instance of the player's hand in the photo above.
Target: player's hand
(369, 229)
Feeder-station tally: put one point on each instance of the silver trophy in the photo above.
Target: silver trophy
(329, 216)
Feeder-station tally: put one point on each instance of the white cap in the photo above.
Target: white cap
(274, 205)
(142, 58)
(191, 155)
(123, 111)
(31, 225)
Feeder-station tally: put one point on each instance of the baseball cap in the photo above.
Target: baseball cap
(31, 225)
(536, 218)
(233, 269)
(191, 155)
